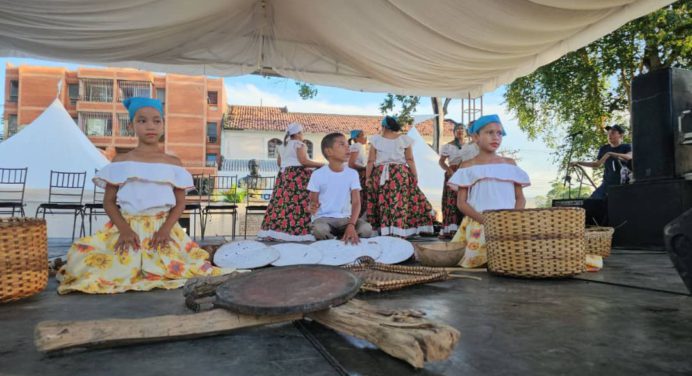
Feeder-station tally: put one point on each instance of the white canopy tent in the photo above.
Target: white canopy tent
(51, 142)
(452, 48)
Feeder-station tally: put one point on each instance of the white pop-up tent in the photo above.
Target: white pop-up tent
(51, 142)
(430, 175)
(451, 48)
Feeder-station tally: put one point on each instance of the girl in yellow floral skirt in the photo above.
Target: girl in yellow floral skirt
(142, 247)
(486, 182)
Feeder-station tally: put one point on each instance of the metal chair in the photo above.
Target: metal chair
(193, 202)
(259, 192)
(95, 208)
(65, 196)
(12, 187)
(222, 199)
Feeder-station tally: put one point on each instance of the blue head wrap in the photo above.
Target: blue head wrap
(355, 133)
(483, 121)
(135, 103)
(384, 121)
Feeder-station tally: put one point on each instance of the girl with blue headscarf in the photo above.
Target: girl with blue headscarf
(487, 182)
(142, 247)
(395, 204)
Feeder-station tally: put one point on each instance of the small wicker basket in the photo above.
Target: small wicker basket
(599, 240)
(23, 257)
(535, 243)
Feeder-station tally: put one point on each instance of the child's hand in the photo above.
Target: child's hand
(350, 235)
(313, 207)
(126, 240)
(161, 238)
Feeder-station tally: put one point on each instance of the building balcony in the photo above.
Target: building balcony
(212, 139)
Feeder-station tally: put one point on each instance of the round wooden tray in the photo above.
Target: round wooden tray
(288, 289)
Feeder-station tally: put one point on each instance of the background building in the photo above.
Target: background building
(194, 107)
(255, 132)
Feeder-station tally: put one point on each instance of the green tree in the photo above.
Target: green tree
(583, 91)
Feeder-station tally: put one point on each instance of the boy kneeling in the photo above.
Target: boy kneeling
(335, 195)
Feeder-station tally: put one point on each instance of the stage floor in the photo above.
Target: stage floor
(631, 318)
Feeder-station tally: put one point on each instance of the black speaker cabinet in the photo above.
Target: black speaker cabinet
(640, 211)
(658, 99)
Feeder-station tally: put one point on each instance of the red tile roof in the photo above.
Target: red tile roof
(276, 119)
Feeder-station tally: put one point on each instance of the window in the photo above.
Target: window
(211, 133)
(129, 89)
(308, 143)
(73, 93)
(211, 160)
(96, 90)
(123, 122)
(14, 91)
(212, 98)
(96, 123)
(11, 125)
(272, 147)
(161, 94)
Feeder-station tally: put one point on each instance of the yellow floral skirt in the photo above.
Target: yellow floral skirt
(472, 233)
(93, 267)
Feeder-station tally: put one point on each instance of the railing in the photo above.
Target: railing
(96, 90)
(129, 89)
(211, 139)
(211, 164)
(96, 123)
(13, 98)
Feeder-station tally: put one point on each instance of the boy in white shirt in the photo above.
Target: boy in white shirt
(335, 195)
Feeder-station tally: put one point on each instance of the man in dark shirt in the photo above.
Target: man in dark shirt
(613, 156)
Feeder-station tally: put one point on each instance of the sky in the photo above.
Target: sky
(535, 156)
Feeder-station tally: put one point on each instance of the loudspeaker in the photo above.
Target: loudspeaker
(678, 238)
(640, 211)
(596, 210)
(658, 99)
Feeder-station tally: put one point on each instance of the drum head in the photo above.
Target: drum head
(288, 289)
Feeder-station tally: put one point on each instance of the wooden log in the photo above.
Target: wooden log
(53, 335)
(403, 334)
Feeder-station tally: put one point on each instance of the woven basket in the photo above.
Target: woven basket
(23, 257)
(382, 277)
(535, 243)
(598, 240)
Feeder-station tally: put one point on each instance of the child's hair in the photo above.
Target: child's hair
(328, 141)
(390, 122)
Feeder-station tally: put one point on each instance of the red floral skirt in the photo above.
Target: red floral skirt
(451, 215)
(287, 217)
(398, 207)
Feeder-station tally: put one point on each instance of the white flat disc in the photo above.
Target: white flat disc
(245, 254)
(335, 252)
(394, 250)
(296, 254)
(368, 247)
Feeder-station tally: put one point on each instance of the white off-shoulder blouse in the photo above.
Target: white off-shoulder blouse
(491, 186)
(144, 187)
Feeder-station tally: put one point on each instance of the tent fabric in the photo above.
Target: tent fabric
(430, 175)
(452, 48)
(51, 142)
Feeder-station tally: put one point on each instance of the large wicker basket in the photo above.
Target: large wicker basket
(23, 257)
(599, 240)
(535, 243)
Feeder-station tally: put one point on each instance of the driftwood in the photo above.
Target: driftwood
(403, 334)
(61, 335)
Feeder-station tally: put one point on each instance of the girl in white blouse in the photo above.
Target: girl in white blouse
(287, 216)
(486, 182)
(450, 158)
(358, 159)
(395, 204)
(142, 247)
